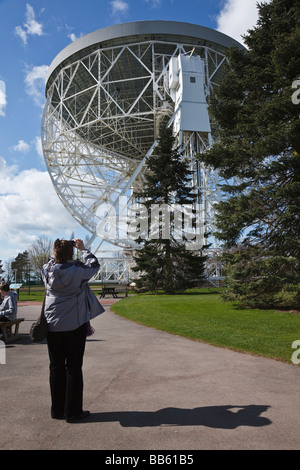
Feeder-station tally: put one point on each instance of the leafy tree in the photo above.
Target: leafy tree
(258, 151)
(20, 266)
(8, 270)
(39, 253)
(164, 261)
(257, 280)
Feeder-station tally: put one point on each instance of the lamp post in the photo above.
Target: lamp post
(28, 267)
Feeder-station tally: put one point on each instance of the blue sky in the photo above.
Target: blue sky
(32, 33)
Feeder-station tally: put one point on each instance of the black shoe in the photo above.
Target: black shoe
(81, 416)
(54, 416)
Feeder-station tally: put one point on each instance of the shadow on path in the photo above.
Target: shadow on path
(224, 417)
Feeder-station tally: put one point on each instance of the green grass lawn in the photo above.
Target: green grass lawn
(34, 296)
(205, 317)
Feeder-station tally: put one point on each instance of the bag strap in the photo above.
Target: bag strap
(43, 306)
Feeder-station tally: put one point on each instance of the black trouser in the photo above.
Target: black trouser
(66, 349)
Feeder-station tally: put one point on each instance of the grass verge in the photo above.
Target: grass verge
(34, 296)
(205, 317)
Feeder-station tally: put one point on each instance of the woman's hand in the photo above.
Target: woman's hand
(79, 244)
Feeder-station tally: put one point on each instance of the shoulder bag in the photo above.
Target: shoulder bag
(39, 329)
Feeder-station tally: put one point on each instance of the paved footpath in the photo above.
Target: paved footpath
(147, 389)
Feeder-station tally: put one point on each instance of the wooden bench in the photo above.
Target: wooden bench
(108, 290)
(7, 329)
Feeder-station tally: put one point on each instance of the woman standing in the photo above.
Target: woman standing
(68, 311)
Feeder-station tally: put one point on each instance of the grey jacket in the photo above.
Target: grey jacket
(9, 306)
(67, 303)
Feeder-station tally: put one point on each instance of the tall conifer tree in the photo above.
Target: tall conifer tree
(164, 261)
(259, 147)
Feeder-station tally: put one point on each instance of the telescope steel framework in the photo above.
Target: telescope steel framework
(106, 95)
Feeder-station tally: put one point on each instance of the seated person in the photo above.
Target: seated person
(2, 281)
(9, 306)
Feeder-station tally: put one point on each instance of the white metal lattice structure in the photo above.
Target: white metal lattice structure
(106, 95)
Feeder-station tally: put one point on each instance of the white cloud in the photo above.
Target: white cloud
(21, 33)
(29, 207)
(6, 171)
(25, 147)
(38, 146)
(22, 146)
(237, 16)
(119, 6)
(35, 79)
(72, 36)
(2, 98)
(154, 3)
(31, 26)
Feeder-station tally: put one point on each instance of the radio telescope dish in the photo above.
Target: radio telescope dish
(106, 94)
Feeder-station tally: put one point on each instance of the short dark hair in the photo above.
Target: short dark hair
(62, 250)
(5, 287)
